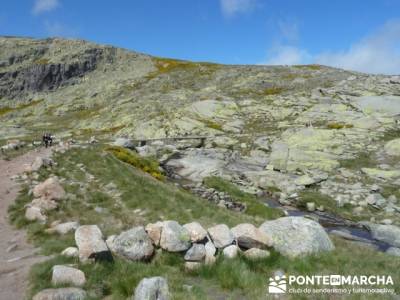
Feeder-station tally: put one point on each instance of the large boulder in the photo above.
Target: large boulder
(91, 244)
(248, 236)
(196, 231)
(133, 244)
(386, 233)
(174, 237)
(153, 288)
(297, 236)
(231, 251)
(61, 294)
(221, 235)
(393, 147)
(34, 213)
(50, 189)
(63, 228)
(67, 275)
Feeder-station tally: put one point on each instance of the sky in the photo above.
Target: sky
(361, 35)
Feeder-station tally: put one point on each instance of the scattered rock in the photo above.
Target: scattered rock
(196, 253)
(231, 251)
(386, 233)
(196, 231)
(90, 242)
(64, 228)
(49, 190)
(124, 142)
(297, 236)
(133, 244)
(221, 235)
(192, 265)
(174, 237)
(67, 275)
(255, 253)
(70, 252)
(153, 288)
(33, 213)
(393, 251)
(61, 294)
(248, 236)
(154, 232)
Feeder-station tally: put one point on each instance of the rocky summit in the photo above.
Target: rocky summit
(173, 179)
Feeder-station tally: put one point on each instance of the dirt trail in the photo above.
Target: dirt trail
(16, 254)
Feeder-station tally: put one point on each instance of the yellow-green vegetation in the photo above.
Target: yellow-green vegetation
(165, 65)
(237, 278)
(42, 61)
(254, 206)
(211, 124)
(5, 110)
(273, 91)
(339, 125)
(148, 165)
(309, 67)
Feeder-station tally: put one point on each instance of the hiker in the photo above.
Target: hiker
(47, 140)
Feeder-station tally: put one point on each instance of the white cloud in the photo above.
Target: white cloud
(42, 6)
(287, 55)
(231, 8)
(377, 53)
(288, 30)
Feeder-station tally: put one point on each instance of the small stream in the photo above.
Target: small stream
(336, 225)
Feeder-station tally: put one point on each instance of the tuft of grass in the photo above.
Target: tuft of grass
(363, 160)
(212, 124)
(254, 206)
(339, 125)
(150, 166)
(309, 67)
(273, 91)
(41, 61)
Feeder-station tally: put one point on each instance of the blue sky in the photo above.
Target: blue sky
(361, 35)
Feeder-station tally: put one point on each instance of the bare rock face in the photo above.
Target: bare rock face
(196, 231)
(153, 288)
(46, 76)
(61, 294)
(221, 235)
(91, 244)
(248, 236)
(133, 244)
(297, 236)
(174, 237)
(50, 189)
(67, 275)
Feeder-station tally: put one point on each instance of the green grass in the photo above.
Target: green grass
(363, 160)
(6, 109)
(236, 279)
(239, 278)
(273, 91)
(330, 205)
(254, 206)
